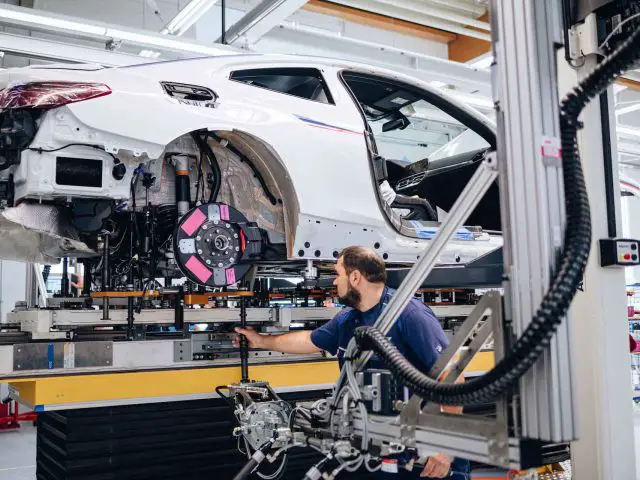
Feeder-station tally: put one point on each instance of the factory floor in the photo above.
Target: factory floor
(18, 452)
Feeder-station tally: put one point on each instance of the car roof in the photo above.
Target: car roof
(259, 59)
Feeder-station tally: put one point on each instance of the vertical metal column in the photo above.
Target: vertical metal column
(64, 283)
(605, 449)
(106, 281)
(244, 343)
(179, 310)
(532, 198)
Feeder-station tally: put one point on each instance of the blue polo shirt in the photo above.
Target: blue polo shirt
(417, 332)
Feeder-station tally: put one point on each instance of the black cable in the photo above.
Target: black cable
(205, 150)
(569, 272)
(44, 150)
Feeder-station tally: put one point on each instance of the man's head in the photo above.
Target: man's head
(360, 270)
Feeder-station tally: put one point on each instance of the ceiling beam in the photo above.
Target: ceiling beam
(466, 48)
(41, 49)
(391, 9)
(376, 20)
(260, 20)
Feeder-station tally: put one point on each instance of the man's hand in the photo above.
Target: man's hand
(437, 466)
(254, 338)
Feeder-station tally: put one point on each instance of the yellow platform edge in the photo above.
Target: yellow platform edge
(77, 389)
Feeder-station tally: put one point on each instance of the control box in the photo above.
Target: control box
(619, 252)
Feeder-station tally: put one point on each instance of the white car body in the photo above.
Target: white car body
(314, 155)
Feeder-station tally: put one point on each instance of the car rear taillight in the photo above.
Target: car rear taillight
(49, 94)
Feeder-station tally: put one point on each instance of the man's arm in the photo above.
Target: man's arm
(294, 342)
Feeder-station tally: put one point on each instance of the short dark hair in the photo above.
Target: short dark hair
(366, 261)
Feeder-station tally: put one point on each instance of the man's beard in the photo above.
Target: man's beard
(351, 298)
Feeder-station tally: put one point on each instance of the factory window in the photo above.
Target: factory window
(306, 83)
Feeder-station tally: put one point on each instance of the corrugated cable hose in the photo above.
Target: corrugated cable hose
(566, 281)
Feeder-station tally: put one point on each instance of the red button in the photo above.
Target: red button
(627, 256)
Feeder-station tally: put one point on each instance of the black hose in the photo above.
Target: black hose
(565, 283)
(246, 470)
(205, 149)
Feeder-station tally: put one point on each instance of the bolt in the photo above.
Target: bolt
(237, 249)
(235, 235)
(19, 350)
(208, 262)
(199, 252)
(227, 225)
(19, 366)
(204, 227)
(220, 264)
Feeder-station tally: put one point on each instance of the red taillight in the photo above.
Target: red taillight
(49, 94)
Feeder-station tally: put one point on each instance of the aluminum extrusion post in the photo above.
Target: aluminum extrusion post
(105, 276)
(179, 310)
(64, 284)
(86, 278)
(525, 36)
(244, 343)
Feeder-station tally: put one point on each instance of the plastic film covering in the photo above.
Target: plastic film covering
(39, 233)
(241, 190)
(49, 94)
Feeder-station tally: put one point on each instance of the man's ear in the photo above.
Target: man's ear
(355, 278)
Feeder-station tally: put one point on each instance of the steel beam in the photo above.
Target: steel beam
(259, 21)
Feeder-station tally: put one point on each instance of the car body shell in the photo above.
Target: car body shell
(316, 153)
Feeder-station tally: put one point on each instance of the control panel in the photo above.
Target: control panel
(619, 252)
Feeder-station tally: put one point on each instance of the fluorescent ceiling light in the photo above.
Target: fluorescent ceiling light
(617, 88)
(626, 130)
(25, 17)
(438, 84)
(149, 54)
(631, 108)
(186, 17)
(482, 63)
(163, 42)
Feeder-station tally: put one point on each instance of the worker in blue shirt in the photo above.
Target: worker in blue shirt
(360, 283)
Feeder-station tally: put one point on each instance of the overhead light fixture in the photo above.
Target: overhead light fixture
(186, 17)
(438, 84)
(24, 16)
(631, 108)
(149, 54)
(483, 63)
(617, 88)
(628, 131)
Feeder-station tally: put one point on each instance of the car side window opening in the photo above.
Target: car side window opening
(422, 156)
(307, 83)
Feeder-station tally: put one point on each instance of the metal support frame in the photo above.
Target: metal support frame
(259, 21)
(529, 157)
(532, 199)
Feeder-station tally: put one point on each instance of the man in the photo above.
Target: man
(360, 281)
